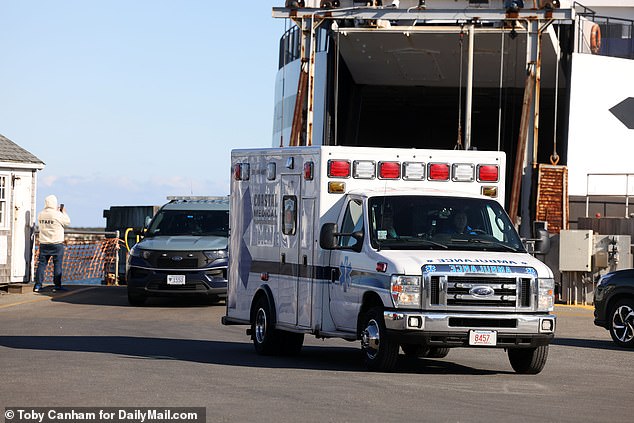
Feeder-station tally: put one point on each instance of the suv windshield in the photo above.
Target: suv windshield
(190, 222)
(416, 222)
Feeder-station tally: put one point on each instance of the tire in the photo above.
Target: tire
(414, 350)
(422, 351)
(528, 361)
(265, 338)
(622, 323)
(437, 352)
(379, 352)
(290, 342)
(136, 300)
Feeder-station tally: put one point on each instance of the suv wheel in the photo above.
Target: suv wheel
(622, 323)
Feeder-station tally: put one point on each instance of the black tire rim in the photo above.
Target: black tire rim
(623, 323)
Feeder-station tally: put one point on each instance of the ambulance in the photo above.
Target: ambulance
(400, 249)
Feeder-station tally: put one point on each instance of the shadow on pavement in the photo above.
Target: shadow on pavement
(117, 296)
(589, 343)
(227, 353)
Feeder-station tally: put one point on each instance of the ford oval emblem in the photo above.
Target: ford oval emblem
(177, 258)
(482, 291)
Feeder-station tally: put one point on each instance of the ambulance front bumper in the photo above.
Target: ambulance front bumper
(453, 330)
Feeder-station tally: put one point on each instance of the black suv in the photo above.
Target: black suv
(183, 252)
(614, 306)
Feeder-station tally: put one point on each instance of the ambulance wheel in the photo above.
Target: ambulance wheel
(263, 333)
(291, 342)
(528, 361)
(379, 352)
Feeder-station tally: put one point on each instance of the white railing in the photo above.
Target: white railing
(610, 184)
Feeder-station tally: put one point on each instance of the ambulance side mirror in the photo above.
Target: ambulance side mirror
(329, 238)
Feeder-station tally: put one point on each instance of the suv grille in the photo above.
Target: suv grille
(168, 263)
(178, 259)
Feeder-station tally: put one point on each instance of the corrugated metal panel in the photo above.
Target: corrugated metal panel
(552, 197)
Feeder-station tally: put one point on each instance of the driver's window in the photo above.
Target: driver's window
(352, 222)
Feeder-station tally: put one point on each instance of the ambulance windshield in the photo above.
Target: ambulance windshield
(453, 223)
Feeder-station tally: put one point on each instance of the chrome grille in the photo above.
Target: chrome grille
(468, 291)
(459, 291)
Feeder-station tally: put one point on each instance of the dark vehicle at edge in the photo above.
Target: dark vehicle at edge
(614, 306)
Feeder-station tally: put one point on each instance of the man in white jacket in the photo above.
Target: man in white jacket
(51, 221)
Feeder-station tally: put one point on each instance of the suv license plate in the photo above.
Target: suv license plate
(483, 337)
(176, 279)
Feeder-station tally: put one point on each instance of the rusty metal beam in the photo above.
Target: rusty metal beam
(522, 139)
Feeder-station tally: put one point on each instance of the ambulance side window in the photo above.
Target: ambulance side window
(352, 222)
(289, 214)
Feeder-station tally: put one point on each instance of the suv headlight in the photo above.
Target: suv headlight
(603, 280)
(139, 252)
(405, 290)
(546, 298)
(215, 254)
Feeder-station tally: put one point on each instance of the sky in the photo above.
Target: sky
(128, 102)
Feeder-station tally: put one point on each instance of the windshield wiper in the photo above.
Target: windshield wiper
(395, 243)
(430, 242)
(486, 242)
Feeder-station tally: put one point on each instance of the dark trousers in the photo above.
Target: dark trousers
(56, 251)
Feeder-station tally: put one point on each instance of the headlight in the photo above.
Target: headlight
(405, 290)
(139, 252)
(604, 279)
(215, 254)
(546, 300)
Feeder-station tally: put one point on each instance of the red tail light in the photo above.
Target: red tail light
(308, 171)
(237, 174)
(389, 170)
(488, 173)
(338, 168)
(438, 171)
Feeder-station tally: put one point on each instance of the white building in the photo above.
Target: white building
(18, 187)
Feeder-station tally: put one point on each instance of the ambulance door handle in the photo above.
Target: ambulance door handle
(283, 258)
(334, 274)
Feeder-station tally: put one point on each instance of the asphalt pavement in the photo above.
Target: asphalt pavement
(87, 347)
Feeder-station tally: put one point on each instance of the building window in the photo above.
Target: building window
(3, 200)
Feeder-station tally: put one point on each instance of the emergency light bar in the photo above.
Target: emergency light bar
(413, 171)
(389, 170)
(338, 168)
(363, 169)
(438, 172)
(488, 173)
(462, 172)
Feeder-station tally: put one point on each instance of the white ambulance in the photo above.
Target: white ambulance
(398, 248)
